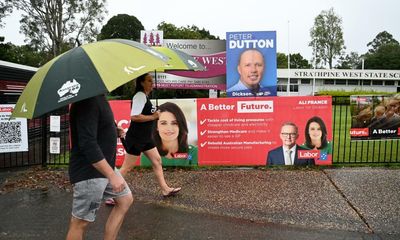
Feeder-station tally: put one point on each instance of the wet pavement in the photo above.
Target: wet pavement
(348, 203)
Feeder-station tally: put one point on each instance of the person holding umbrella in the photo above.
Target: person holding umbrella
(81, 77)
(139, 135)
(91, 170)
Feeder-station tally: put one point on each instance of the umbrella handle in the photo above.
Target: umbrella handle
(123, 141)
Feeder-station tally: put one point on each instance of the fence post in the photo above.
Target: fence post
(44, 140)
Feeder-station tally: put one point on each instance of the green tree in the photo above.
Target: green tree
(385, 57)
(281, 60)
(55, 25)
(170, 31)
(121, 26)
(381, 39)
(327, 37)
(296, 61)
(24, 54)
(6, 51)
(350, 61)
(5, 10)
(384, 52)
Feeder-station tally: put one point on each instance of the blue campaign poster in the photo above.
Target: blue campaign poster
(251, 64)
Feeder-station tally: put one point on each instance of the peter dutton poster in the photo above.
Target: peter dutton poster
(251, 64)
(375, 117)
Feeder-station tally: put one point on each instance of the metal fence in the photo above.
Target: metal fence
(63, 135)
(35, 154)
(39, 144)
(345, 150)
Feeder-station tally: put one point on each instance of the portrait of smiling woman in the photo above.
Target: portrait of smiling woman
(316, 136)
(171, 137)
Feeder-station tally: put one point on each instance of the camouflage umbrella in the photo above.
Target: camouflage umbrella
(84, 72)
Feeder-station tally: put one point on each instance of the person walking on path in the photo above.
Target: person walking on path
(92, 168)
(139, 135)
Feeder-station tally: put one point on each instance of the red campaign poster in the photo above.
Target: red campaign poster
(374, 117)
(121, 110)
(238, 131)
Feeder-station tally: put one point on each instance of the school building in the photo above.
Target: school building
(303, 82)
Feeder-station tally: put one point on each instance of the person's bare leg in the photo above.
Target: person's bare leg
(155, 159)
(117, 216)
(77, 228)
(128, 164)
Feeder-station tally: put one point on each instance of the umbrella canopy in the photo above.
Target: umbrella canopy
(84, 72)
(179, 60)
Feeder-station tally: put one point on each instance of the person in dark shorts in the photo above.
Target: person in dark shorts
(92, 168)
(139, 135)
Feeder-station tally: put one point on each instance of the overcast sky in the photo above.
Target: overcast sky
(291, 19)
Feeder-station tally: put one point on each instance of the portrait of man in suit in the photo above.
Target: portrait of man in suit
(287, 153)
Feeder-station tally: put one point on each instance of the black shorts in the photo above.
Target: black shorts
(135, 148)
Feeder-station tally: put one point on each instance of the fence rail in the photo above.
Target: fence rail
(345, 150)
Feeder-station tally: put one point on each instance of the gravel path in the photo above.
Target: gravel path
(299, 197)
(353, 199)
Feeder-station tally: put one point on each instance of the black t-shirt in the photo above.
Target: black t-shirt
(93, 137)
(141, 131)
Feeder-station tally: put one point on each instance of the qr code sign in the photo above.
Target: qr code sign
(10, 132)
